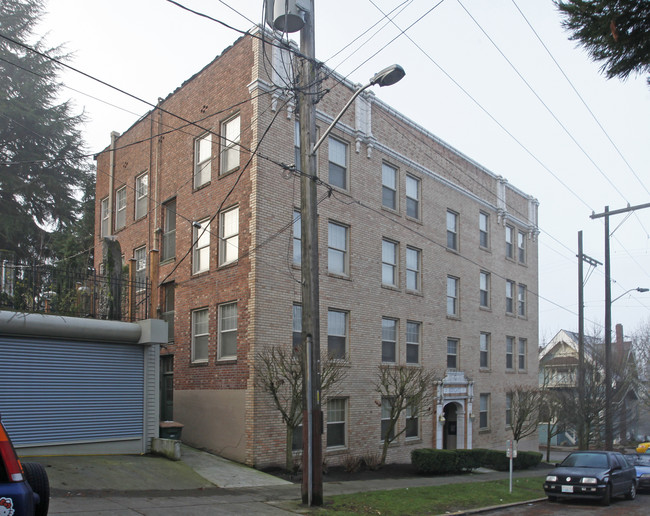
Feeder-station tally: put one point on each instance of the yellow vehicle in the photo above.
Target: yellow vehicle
(643, 447)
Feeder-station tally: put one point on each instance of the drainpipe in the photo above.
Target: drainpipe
(111, 182)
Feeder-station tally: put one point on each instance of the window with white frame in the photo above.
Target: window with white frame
(521, 247)
(412, 197)
(120, 208)
(413, 342)
(413, 269)
(389, 263)
(388, 186)
(230, 137)
(522, 354)
(200, 335)
(201, 246)
(484, 411)
(141, 195)
(484, 289)
(169, 231)
(510, 351)
(412, 421)
(452, 354)
(228, 331)
(297, 330)
(521, 300)
(336, 426)
(229, 236)
(386, 409)
(452, 230)
(337, 249)
(508, 408)
(510, 242)
(484, 347)
(483, 230)
(338, 163)
(388, 340)
(297, 237)
(202, 159)
(105, 217)
(452, 296)
(510, 297)
(337, 333)
(140, 255)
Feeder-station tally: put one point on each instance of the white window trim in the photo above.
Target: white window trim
(392, 265)
(200, 236)
(418, 183)
(346, 166)
(414, 272)
(229, 146)
(105, 224)
(344, 421)
(228, 243)
(141, 200)
(394, 189)
(221, 331)
(194, 335)
(345, 251)
(202, 165)
(120, 208)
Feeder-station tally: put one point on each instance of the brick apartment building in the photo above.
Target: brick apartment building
(427, 259)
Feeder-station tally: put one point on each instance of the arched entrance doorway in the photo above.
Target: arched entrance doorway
(450, 427)
(454, 417)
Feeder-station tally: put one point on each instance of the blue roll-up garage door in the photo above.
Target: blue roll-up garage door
(55, 391)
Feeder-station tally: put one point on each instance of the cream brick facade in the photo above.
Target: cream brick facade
(217, 399)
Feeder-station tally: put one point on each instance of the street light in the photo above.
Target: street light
(638, 289)
(387, 77)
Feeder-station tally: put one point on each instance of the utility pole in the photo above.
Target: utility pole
(583, 437)
(312, 457)
(609, 419)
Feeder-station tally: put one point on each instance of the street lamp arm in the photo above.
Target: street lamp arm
(638, 289)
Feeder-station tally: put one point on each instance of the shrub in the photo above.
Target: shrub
(428, 461)
(351, 464)
(470, 459)
(372, 461)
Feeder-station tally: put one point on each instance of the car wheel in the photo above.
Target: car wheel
(607, 497)
(631, 494)
(552, 498)
(36, 476)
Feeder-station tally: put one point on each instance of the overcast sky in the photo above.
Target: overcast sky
(498, 80)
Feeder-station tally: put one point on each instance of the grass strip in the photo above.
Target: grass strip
(434, 499)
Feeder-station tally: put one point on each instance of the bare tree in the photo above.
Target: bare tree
(524, 406)
(401, 388)
(278, 373)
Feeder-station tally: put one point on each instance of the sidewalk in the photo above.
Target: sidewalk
(200, 484)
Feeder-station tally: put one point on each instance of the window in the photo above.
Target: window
(522, 354)
(484, 346)
(510, 235)
(229, 236)
(120, 208)
(141, 195)
(168, 313)
(105, 229)
(521, 300)
(200, 335)
(336, 422)
(201, 246)
(140, 255)
(228, 331)
(452, 296)
(297, 330)
(508, 409)
(413, 342)
(297, 237)
(521, 247)
(337, 250)
(484, 407)
(452, 354)
(337, 333)
(296, 443)
(412, 269)
(230, 135)
(510, 349)
(169, 231)
(388, 340)
(412, 197)
(510, 297)
(452, 231)
(484, 289)
(412, 421)
(483, 225)
(202, 160)
(338, 163)
(389, 263)
(388, 186)
(386, 409)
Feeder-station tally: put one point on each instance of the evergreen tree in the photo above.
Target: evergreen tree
(616, 32)
(42, 171)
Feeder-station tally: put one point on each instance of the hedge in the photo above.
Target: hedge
(428, 461)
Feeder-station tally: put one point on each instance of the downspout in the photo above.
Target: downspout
(111, 182)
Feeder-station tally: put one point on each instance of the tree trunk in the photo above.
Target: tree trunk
(548, 441)
(288, 457)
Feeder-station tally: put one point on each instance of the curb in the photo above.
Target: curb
(496, 507)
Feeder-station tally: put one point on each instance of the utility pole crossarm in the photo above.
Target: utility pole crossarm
(618, 212)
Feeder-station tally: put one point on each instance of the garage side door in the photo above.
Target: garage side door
(65, 392)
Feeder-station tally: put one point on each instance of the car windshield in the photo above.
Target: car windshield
(639, 460)
(586, 460)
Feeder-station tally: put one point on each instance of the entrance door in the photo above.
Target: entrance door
(167, 388)
(450, 428)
